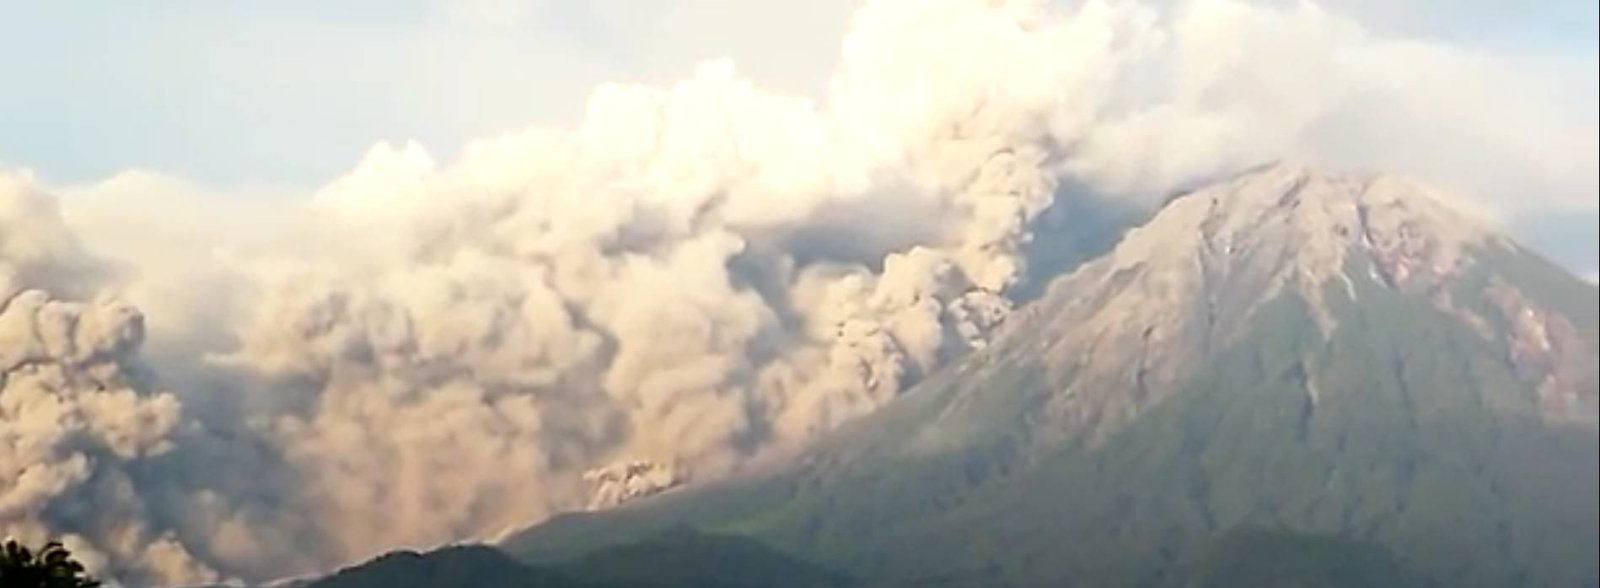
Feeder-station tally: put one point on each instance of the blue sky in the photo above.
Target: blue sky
(290, 94)
(293, 92)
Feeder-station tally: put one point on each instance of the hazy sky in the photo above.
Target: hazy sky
(291, 93)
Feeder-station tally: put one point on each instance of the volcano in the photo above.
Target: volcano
(1284, 378)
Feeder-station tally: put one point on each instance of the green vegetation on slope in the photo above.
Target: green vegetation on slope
(1276, 558)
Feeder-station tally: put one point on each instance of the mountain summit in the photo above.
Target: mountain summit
(1292, 377)
(1127, 330)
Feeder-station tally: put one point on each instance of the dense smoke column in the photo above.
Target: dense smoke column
(78, 422)
(654, 287)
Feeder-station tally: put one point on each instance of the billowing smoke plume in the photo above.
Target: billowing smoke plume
(666, 282)
(693, 277)
(77, 423)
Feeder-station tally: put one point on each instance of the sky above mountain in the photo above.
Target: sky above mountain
(238, 91)
(245, 98)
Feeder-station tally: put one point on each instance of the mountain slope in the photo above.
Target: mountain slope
(1337, 355)
(685, 558)
(1274, 557)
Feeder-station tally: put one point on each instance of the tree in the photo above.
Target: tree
(51, 567)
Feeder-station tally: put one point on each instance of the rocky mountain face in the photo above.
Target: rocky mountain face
(1340, 367)
(1127, 330)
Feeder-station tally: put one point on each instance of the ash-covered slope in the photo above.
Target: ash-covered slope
(1333, 355)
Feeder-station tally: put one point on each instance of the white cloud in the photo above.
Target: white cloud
(1303, 83)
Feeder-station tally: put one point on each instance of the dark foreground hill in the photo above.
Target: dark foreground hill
(472, 566)
(678, 558)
